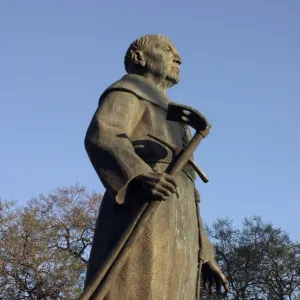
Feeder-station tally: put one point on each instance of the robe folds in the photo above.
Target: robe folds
(163, 264)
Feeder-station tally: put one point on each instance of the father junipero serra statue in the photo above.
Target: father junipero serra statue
(163, 264)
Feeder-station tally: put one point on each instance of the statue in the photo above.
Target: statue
(122, 142)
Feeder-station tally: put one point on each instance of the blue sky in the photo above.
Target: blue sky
(241, 70)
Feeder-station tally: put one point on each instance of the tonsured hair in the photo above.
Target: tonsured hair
(139, 45)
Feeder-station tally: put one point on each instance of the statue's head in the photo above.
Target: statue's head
(154, 56)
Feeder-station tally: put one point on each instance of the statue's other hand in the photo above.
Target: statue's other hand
(156, 186)
(213, 278)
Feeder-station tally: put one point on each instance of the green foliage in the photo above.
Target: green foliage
(259, 260)
(44, 249)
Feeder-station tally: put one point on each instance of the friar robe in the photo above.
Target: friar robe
(164, 262)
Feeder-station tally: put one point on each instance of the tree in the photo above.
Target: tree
(44, 246)
(259, 260)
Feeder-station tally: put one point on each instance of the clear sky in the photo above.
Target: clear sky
(241, 70)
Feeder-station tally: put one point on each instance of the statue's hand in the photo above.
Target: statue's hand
(213, 278)
(156, 186)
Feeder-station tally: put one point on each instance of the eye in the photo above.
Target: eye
(167, 50)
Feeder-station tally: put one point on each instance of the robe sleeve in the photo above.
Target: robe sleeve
(207, 248)
(108, 144)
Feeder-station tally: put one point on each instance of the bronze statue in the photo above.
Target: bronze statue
(127, 143)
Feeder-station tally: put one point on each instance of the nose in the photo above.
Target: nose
(177, 59)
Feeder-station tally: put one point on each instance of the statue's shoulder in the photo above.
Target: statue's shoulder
(138, 87)
(123, 85)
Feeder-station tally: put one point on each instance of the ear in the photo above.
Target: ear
(138, 58)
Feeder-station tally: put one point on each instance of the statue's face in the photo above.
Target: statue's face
(163, 60)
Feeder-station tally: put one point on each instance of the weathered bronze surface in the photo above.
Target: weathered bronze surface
(131, 164)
